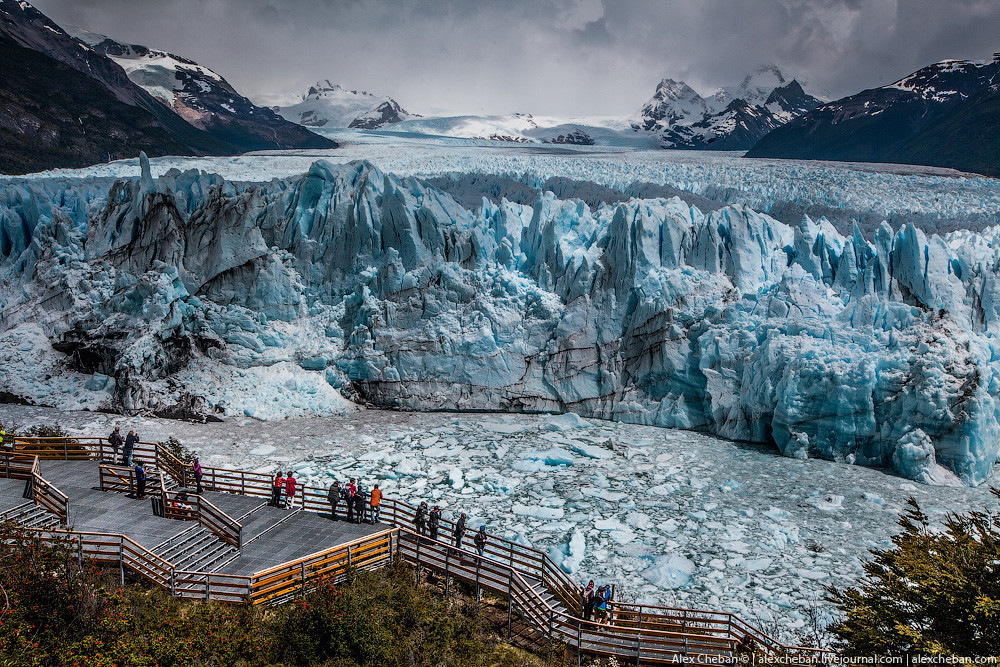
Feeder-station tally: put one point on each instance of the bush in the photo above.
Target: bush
(935, 592)
(57, 441)
(174, 446)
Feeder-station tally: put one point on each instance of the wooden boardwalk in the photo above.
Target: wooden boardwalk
(228, 544)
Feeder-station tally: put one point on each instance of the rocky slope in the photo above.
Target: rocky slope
(51, 115)
(203, 98)
(267, 300)
(942, 115)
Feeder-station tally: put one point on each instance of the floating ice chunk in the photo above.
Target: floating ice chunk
(590, 451)
(815, 575)
(775, 513)
(263, 450)
(564, 422)
(538, 512)
(827, 502)
(873, 498)
(610, 524)
(730, 485)
(550, 457)
(622, 536)
(456, 479)
(670, 571)
(668, 526)
(755, 564)
(506, 429)
(639, 520)
(664, 489)
(570, 555)
(603, 494)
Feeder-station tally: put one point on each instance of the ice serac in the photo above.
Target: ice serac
(190, 292)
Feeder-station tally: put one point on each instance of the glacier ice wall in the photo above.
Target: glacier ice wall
(160, 293)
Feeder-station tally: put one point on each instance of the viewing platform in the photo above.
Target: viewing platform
(228, 544)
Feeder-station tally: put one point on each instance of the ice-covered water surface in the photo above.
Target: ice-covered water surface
(932, 198)
(669, 516)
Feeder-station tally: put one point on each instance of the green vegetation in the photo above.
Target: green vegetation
(935, 592)
(174, 446)
(55, 613)
(57, 440)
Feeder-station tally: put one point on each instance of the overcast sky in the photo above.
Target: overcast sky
(585, 57)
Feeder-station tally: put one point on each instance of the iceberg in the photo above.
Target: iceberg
(190, 292)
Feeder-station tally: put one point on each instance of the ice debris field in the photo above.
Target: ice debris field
(668, 516)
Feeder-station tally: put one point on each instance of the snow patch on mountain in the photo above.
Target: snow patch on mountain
(328, 105)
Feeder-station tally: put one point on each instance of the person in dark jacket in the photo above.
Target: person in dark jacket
(359, 506)
(587, 600)
(115, 440)
(420, 520)
(140, 481)
(198, 472)
(333, 497)
(130, 441)
(277, 487)
(434, 522)
(460, 530)
(352, 490)
(480, 540)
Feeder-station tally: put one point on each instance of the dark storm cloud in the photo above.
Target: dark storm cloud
(544, 56)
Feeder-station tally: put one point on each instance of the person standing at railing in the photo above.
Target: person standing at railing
(352, 490)
(459, 531)
(480, 540)
(434, 522)
(333, 497)
(115, 440)
(601, 598)
(376, 503)
(130, 440)
(140, 481)
(290, 490)
(277, 487)
(587, 600)
(420, 520)
(198, 472)
(359, 505)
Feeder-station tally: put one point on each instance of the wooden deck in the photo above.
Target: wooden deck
(227, 544)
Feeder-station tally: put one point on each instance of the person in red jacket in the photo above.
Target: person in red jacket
(276, 488)
(290, 490)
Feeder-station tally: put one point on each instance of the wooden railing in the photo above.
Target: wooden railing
(39, 489)
(226, 528)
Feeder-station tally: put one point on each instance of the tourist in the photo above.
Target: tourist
(352, 490)
(460, 531)
(129, 446)
(376, 503)
(140, 481)
(420, 520)
(587, 600)
(601, 598)
(333, 497)
(289, 490)
(434, 522)
(276, 488)
(198, 472)
(115, 440)
(480, 540)
(359, 505)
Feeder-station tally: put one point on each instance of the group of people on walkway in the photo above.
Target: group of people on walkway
(126, 444)
(127, 447)
(429, 523)
(594, 602)
(359, 507)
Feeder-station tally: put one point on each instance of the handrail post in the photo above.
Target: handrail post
(243, 482)
(121, 558)
(638, 649)
(479, 565)
(348, 555)
(302, 574)
(208, 587)
(579, 641)
(510, 599)
(447, 576)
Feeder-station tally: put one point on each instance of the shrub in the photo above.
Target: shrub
(174, 446)
(935, 592)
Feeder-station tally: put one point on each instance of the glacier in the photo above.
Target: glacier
(189, 293)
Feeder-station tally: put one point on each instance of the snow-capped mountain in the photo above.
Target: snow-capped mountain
(732, 118)
(328, 105)
(27, 28)
(946, 114)
(201, 97)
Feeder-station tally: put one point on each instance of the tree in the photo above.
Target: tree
(935, 592)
